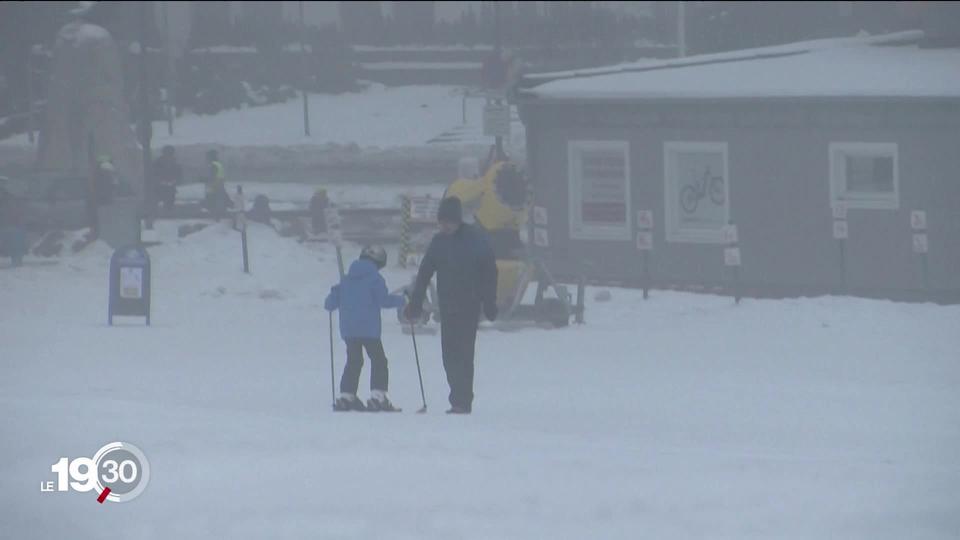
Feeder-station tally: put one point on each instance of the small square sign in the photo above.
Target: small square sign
(920, 244)
(918, 220)
(645, 219)
(644, 240)
(731, 256)
(540, 237)
(839, 210)
(730, 234)
(840, 231)
(539, 215)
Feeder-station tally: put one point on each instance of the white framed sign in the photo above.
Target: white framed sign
(540, 237)
(731, 256)
(424, 209)
(599, 184)
(730, 234)
(496, 120)
(539, 215)
(131, 282)
(697, 191)
(920, 244)
(645, 219)
(645, 240)
(840, 231)
(918, 220)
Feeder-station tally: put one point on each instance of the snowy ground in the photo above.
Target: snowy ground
(683, 416)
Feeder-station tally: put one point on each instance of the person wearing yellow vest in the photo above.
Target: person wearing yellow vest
(216, 197)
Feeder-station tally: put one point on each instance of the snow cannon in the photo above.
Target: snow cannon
(498, 202)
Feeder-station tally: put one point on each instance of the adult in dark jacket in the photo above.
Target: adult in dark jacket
(466, 271)
(360, 296)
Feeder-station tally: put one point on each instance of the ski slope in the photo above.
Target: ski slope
(683, 416)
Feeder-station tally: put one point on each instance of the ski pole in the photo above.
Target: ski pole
(416, 354)
(333, 391)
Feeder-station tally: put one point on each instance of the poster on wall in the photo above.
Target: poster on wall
(702, 197)
(603, 191)
(697, 190)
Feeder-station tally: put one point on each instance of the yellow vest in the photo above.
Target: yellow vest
(218, 177)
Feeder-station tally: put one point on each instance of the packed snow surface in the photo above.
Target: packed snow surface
(683, 416)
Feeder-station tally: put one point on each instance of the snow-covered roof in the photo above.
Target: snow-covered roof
(891, 65)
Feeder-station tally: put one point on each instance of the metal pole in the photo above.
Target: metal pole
(499, 57)
(171, 67)
(243, 239)
(646, 275)
(681, 29)
(303, 51)
(843, 266)
(92, 195)
(145, 117)
(29, 83)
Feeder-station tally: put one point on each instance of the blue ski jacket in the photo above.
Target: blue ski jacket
(360, 296)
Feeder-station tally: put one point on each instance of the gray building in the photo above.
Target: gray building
(796, 145)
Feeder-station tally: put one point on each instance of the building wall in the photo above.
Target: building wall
(778, 159)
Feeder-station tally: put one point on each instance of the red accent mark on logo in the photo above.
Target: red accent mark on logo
(103, 496)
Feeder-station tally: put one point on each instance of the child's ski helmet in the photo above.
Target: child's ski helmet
(376, 254)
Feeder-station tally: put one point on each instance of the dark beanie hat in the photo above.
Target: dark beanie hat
(450, 210)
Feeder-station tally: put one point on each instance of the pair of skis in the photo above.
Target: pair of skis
(416, 354)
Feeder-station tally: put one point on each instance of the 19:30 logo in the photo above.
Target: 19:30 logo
(119, 472)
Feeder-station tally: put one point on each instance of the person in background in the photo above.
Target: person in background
(167, 174)
(106, 180)
(318, 204)
(360, 296)
(216, 197)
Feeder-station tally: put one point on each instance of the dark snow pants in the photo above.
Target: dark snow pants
(458, 336)
(378, 360)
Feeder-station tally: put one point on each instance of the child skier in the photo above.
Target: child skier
(360, 296)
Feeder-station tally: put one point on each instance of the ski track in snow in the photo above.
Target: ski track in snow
(683, 416)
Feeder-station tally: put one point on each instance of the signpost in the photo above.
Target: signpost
(918, 224)
(496, 119)
(731, 256)
(840, 233)
(645, 245)
(129, 284)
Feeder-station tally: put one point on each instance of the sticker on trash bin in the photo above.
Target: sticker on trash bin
(131, 282)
